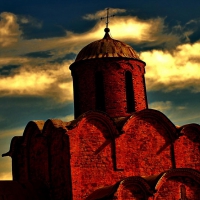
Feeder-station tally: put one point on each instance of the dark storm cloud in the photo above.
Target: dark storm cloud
(8, 69)
(70, 56)
(170, 36)
(49, 19)
(46, 31)
(39, 54)
(195, 26)
(33, 28)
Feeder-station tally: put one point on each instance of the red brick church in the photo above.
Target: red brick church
(115, 148)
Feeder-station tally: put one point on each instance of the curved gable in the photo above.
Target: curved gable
(42, 155)
(154, 117)
(92, 148)
(133, 188)
(128, 188)
(32, 128)
(178, 184)
(187, 147)
(146, 145)
(102, 121)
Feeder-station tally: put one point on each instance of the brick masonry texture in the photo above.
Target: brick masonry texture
(76, 158)
(114, 84)
(187, 147)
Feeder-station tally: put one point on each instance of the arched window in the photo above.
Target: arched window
(100, 97)
(145, 92)
(129, 92)
(76, 95)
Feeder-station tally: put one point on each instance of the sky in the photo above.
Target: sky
(40, 39)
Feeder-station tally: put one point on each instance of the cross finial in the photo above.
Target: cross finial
(107, 17)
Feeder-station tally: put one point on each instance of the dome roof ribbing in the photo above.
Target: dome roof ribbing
(106, 48)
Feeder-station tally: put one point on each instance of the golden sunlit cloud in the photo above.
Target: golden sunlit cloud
(161, 105)
(9, 29)
(11, 133)
(47, 81)
(12, 60)
(26, 82)
(169, 71)
(166, 70)
(67, 118)
(125, 28)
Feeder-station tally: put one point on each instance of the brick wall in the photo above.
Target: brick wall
(187, 147)
(95, 150)
(42, 156)
(178, 184)
(92, 164)
(113, 70)
(145, 147)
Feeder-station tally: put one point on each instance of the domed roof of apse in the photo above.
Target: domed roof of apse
(106, 48)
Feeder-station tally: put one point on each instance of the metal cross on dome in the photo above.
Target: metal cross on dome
(107, 17)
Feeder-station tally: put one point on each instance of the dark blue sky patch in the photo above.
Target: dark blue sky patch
(46, 31)
(185, 105)
(8, 69)
(59, 15)
(174, 10)
(70, 56)
(179, 96)
(149, 46)
(39, 54)
(18, 111)
(195, 36)
(83, 25)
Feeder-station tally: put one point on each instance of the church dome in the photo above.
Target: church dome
(106, 48)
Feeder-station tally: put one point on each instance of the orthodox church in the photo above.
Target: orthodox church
(116, 148)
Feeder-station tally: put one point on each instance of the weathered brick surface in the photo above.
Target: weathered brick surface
(21, 152)
(43, 156)
(74, 159)
(145, 147)
(59, 159)
(181, 184)
(37, 157)
(133, 188)
(171, 189)
(127, 193)
(169, 186)
(91, 148)
(114, 84)
(187, 147)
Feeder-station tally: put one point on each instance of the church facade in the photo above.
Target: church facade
(115, 148)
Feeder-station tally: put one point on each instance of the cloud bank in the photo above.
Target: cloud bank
(9, 29)
(41, 65)
(174, 70)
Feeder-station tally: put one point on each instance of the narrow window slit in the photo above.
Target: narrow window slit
(100, 96)
(129, 92)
